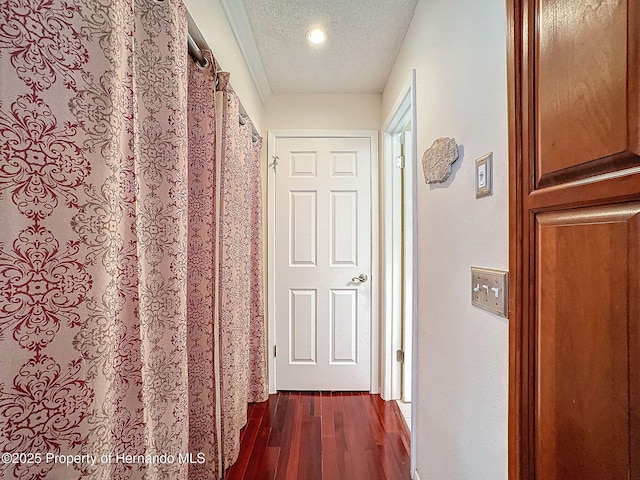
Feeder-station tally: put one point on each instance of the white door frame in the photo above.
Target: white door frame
(372, 135)
(404, 108)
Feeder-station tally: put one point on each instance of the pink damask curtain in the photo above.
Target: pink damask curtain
(242, 327)
(118, 321)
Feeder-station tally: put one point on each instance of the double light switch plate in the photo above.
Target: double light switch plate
(489, 290)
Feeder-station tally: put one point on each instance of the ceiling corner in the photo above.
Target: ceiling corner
(241, 28)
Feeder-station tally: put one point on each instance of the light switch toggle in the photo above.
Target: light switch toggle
(496, 291)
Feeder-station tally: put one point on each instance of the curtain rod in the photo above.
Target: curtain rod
(195, 52)
(201, 60)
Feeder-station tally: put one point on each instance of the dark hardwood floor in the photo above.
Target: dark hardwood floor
(320, 435)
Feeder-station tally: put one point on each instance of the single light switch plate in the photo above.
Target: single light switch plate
(484, 175)
(489, 290)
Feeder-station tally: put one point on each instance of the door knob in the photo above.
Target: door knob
(360, 278)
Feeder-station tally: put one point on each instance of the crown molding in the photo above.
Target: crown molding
(241, 28)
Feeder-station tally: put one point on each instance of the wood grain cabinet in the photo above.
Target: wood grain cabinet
(575, 239)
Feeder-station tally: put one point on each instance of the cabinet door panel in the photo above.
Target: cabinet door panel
(586, 112)
(582, 341)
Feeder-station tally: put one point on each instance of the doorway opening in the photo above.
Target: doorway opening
(399, 260)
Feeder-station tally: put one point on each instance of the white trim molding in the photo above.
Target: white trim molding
(241, 28)
(404, 109)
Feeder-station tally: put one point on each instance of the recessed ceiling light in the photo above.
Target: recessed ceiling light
(316, 36)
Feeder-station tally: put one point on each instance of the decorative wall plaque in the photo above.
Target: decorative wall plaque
(438, 159)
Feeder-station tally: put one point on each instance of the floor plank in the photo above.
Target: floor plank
(323, 435)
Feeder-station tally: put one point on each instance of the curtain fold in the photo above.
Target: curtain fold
(202, 267)
(131, 316)
(242, 329)
(258, 371)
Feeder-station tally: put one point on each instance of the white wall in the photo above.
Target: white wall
(212, 23)
(458, 48)
(323, 111)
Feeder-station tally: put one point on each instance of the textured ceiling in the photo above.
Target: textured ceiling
(363, 39)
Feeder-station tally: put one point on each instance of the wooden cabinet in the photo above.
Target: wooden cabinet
(575, 239)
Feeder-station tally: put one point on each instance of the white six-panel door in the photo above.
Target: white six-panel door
(322, 247)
